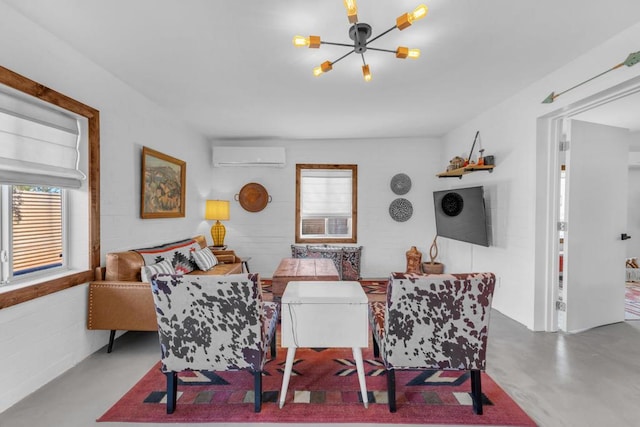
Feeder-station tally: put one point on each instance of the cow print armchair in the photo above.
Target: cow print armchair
(434, 321)
(213, 323)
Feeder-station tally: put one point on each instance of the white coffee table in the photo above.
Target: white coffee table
(324, 314)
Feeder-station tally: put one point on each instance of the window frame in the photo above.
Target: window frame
(48, 286)
(354, 203)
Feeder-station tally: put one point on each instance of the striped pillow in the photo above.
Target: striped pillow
(204, 258)
(162, 267)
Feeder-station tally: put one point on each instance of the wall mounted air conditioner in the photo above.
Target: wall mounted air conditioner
(249, 156)
(634, 159)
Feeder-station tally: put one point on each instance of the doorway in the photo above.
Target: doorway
(549, 134)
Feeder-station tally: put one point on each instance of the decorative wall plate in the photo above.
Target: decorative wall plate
(400, 184)
(401, 209)
(253, 197)
(452, 204)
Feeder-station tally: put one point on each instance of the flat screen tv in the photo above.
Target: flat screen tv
(460, 215)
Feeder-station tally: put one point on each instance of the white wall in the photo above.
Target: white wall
(633, 208)
(509, 132)
(42, 338)
(266, 236)
(633, 214)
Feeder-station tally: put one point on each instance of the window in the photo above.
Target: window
(41, 189)
(33, 242)
(326, 203)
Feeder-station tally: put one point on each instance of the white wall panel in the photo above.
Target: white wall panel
(41, 339)
(266, 236)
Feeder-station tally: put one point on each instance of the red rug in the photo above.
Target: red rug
(323, 389)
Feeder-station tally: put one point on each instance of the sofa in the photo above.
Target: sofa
(119, 298)
(346, 258)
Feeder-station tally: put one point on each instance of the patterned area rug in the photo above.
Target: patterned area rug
(323, 389)
(632, 301)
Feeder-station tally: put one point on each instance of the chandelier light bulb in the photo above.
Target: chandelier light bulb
(366, 73)
(352, 10)
(418, 13)
(414, 54)
(300, 41)
(311, 41)
(323, 68)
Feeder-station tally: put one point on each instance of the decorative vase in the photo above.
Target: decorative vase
(414, 258)
(433, 267)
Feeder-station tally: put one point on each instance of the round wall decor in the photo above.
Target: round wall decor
(401, 209)
(400, 184)
(452, 204)
(253, 197)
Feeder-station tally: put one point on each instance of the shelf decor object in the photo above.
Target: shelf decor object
(360, 33)
(217, 210)
(400, 184)
(459, 168)
(631, 60)
(433, 267)
(457, 173)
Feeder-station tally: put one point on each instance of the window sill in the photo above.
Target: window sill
(16, 293)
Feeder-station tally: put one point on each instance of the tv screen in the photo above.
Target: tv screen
(460, 215)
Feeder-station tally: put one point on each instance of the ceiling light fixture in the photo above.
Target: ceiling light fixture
(360, 33)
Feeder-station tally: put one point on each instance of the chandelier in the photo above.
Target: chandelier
(360, 33)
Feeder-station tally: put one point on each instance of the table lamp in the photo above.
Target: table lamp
(219, 211)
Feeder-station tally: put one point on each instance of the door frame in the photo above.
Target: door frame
(548, 136)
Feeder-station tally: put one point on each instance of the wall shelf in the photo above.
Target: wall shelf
(457, 173)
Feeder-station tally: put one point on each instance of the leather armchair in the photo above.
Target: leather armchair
(434, 321)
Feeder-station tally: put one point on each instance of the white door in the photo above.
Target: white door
(596, 214)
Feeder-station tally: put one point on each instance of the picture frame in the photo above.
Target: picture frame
(163, 185)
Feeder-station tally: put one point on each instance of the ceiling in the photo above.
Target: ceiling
(229, 68)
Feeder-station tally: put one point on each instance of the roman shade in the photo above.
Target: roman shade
(326, 193)
(38, 144)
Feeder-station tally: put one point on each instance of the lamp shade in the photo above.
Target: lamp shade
(217, 209)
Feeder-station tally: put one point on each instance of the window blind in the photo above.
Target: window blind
(326, 193)
(38, 145)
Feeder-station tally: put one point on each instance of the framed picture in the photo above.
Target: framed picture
(163, 185)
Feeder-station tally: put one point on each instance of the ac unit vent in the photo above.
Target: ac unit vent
(249, 156)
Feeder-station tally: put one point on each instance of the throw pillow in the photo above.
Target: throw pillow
(351, 256)
(205, 259)
(298, 251)
(178, 253)
(162, 267)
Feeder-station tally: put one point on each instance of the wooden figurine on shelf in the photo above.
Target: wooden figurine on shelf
(455, 163)
(481, 157)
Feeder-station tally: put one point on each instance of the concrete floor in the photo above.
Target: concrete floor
(586, 379)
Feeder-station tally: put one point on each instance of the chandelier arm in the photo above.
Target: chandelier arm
(380, 35)
(381, 50)
(337, 44)
(343, 56)
(363, 60)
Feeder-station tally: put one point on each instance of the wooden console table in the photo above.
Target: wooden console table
(302, 269)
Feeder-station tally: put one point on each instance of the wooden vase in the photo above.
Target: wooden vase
(414, 259)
